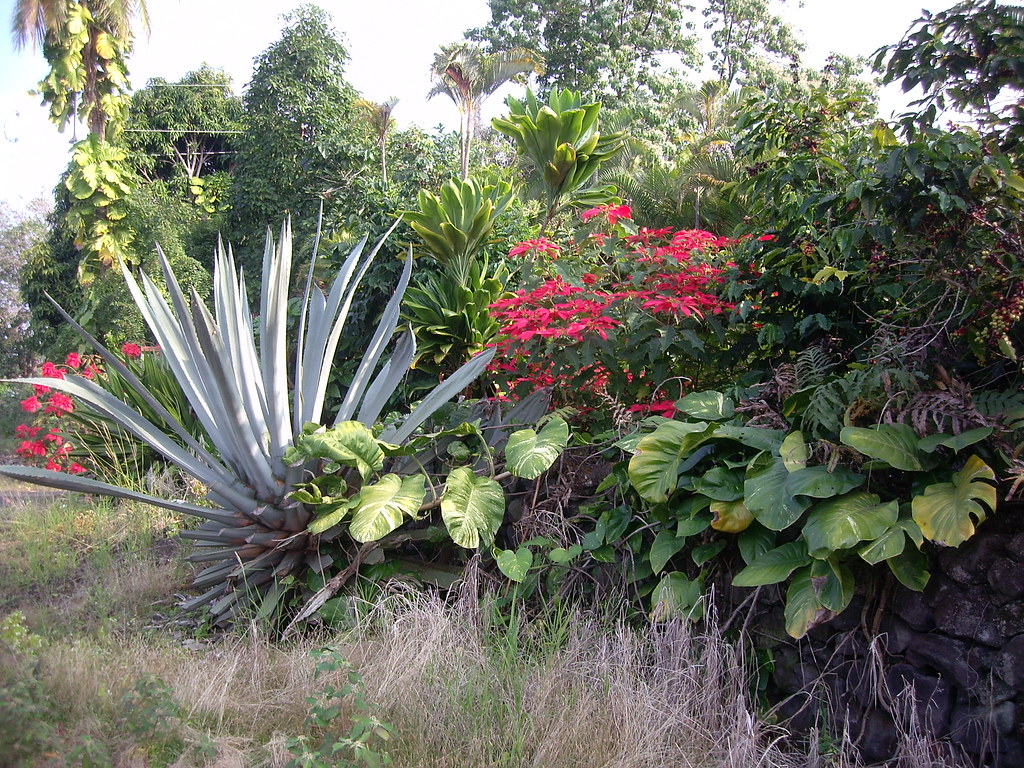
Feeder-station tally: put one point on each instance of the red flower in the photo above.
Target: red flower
(766, 238)
(53, 466)
(41, 389)
(90, 372)
(51, 371)
(31, 404)
(60, 403)
(614, 213)
(542, 246)
(131, 351)
(73, 361)
(76, 469)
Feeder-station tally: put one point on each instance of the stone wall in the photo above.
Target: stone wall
(958, 647)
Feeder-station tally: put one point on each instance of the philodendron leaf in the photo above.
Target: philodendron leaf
(891, 543)
(662, 550)
(654, 468)
(529, 454)
(515, 564)
(383, 506)
(803, 608)
(755, 541)
(846, 521)
(349, 443)
(730, 516)
(833, 584)
(773, 566)
(911, 568)
(794, 451)
(720, 484)
(895, 444)
(712, 406)
(331, 515)
(472, 508)
(944, 510)
(955, 442)
(768, 497)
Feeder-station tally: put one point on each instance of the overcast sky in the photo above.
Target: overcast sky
(391, 44)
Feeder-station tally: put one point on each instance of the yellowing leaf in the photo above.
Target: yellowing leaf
(944, 510)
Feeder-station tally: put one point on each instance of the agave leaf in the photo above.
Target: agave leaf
(387, 381)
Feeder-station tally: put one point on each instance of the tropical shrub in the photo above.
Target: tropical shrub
(818, 513)
(615, 319)
(261, 537)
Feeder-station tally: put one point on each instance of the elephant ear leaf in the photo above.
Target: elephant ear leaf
(654, 468)
(472, 508)
(528, 454)
(944, 510)
(895, 444)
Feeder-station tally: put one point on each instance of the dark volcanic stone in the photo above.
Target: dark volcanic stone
(946, 656)
(971, 729)
(1016, 546)
(1006, 577)
(969, 563)
(912, 608)
(1009, 663)
(968, 614)
(879, 737)
(897, 634)
(1004, 717)
(933, 697)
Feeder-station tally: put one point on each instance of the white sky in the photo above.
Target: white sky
(391, 44)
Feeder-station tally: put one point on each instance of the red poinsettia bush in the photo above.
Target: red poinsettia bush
(617, 317)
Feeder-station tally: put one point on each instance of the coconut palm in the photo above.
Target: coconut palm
(468, 76)
(378, 117)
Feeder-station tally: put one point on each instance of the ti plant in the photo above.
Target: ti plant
(873, 496)
(560, 142)
(451, 318)
(455, 224)
(257, 536)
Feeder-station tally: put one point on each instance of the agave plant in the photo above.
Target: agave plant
(237, 382)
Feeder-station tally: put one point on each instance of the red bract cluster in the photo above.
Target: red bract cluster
(656, 281)
(42, 444)
(542, 246)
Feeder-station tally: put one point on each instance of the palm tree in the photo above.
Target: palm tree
(44, 23)
(378, 117)
(468, 76)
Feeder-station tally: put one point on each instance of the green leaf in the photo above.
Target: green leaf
(846, 521)
(382, 507)
(349, 443)
(895, 444)
(331, 514)
(687, 527)
(564, 556)
(773, 566)
(705, 552)
(676, 596)
(755, 541)
(794, 451)
(752, 437)
(944, 510)
(803, 609)
(768, 496)
(891, 543)
(529, 454)
(911, 569)
(514, 564)
(720, 484)
(472, 508)
(710, 406)
(833, 584)
(654, 469)
(955, 442)
(664, 547)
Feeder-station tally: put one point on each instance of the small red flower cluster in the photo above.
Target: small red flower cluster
(42, 443)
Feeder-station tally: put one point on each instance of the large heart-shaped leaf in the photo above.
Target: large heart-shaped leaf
(944, 510)
(720, 484)
(794, 451)
(730, 516)
(528, 454)
(768, 496)
(833, 584)
(891, 543)
(773, 566)
(846, 521)
(383, 506)
(911, 568)
(515, 564)
(822, 483)
(665, 545)
(349, 443)
(677, 596)
(895, 444)
(755, 541)
(654, 468)
(472, 508)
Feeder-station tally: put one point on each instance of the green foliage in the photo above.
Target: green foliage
(818, 524)
(749, 42)
(329, 746)
(967, 58)
(26, 715)
(560, 147)
(185, 129)
(455, 224)
(21, 234)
